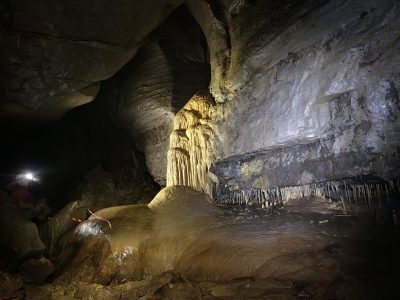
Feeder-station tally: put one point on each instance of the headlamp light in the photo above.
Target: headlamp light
(28, 176)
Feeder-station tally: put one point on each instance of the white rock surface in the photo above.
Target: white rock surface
(329, 74)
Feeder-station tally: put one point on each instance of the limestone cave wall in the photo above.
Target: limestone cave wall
(168, 70)
(310, 93)
(55, 54)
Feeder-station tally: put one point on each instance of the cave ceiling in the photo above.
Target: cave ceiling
(54, 54)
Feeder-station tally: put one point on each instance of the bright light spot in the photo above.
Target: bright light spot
(29, 176)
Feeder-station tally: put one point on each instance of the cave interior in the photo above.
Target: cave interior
(200, 149)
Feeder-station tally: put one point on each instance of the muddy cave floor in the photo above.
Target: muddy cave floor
(359, 259)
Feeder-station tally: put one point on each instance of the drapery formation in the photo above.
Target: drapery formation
(191, 150)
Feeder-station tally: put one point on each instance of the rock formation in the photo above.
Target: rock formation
(167, 71)
(146, 240)
(182, 234)
(312, 85)
(191, 146)
(53, 56)
(19, 236)
(311, 94)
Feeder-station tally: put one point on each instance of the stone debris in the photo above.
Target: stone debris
(10, 286)
(36, 270)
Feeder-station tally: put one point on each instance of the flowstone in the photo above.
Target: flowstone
(182, 231)
(191, 149)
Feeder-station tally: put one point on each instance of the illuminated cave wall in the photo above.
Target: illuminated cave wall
(308, 94)
(307, 102)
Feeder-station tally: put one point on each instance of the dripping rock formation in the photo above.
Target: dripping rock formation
(191, 145)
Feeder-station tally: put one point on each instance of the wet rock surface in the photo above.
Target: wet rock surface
(99, 189)
(61, 223)
(183, 247)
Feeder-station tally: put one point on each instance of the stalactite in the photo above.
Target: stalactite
(191, 151)
(355, 197)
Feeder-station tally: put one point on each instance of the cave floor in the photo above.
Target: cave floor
(359, 260)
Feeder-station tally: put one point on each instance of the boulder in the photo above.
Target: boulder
(17, 233)
(99, 190)
(36, 270)
(60, 224)
(10, 286)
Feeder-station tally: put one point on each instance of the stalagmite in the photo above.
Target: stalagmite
(191, 150)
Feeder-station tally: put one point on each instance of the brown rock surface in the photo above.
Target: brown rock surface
(286, 254)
